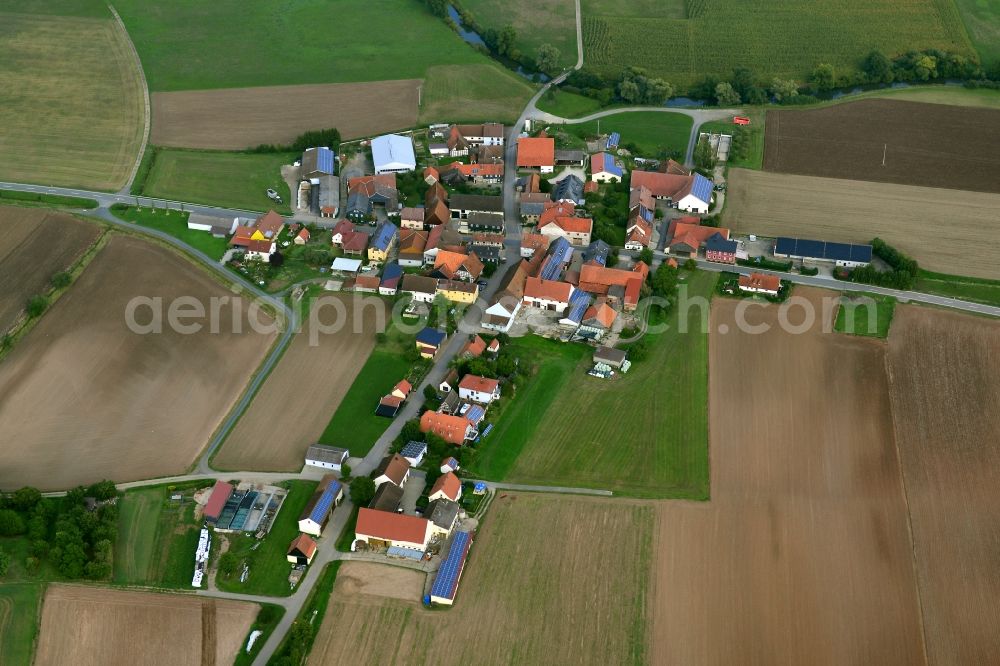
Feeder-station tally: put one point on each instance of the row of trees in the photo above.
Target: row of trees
(324, 137)
(903, 269)
(77, 542)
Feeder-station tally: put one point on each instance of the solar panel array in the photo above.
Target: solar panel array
(413, 449)
(385, 234)
(702, 188)
(446, 581)
(325, 502)
(614, 140)
(324, 160)
(475, 414)
(817, 249)
(578, 304)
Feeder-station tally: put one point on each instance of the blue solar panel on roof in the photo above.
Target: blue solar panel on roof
(614, 139)
(702, 188)
(413, 449)
(475, 414)
(446, 581)
(785, 246)
(324, 160)
(323, 505)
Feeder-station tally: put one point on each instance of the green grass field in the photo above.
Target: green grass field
(643, 434)
(755, 157)
(19, 619)
(173, 222)
(557, 364)
(157, 537)
(354, 425)
(268, 567)
(567, 104)
(229, 180)
(537, 22)
(931, 94)
(473, 93)
(855, 317)
(982, 20)
(978, 290)
(786, 39)
(72, 111)
(652, 131)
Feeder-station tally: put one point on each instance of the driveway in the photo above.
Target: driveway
(412, 490)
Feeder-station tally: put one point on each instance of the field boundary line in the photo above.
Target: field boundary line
(145, 100)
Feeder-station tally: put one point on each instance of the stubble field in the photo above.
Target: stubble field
(944, 230)
(888, 141)
(94, 626)
(35, 245)
(239, 118)
(943, 371)
(294, 404)
(82, 398)
(803, 554)
(72, 112)
(549, 580)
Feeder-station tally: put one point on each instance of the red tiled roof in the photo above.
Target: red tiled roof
(554, 210)
(450, 262)
(261, 246)
(270, 224)
(220, 493)
(661, 184)
(693, 235)
(536, 152)
(633, 289)
(367, 184)
(403, 386)
(412, 213)
(391, 526)
(603, 313)
(475, 347)
(596, 278)
(480, 384)
(431, 172)
(761, 281)
(482, 170)
(549, 290)
(449, 484)
(354, 240)
(304, 234)
(450, 428)
(534, 241)
(396, 466)
(304, 544)
(367, 282)
(577, 225)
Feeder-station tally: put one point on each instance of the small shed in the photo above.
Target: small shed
(414, 452)
(609, 356)
(302, 550)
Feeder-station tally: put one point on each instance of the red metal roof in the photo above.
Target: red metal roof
(220, 493)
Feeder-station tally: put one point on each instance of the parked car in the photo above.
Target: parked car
(273, 195)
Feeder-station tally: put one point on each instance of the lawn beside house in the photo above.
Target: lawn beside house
(653, 132)
(643, 434)
(218, 178)
(173, 222)
(566, 104)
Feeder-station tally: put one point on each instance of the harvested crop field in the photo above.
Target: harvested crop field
(379, 580)
(944, 368)
(888, 141)
(104, 402)
(293, 406)
(35, 245)
(239, 118)
(523, 579)
(802, 556)
(84, 626)
(942, 229)
(73, 109)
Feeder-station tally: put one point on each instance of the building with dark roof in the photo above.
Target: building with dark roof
(570, 189)
(443, 514)
(388, 496)
(317, 162)
(720, 249)
(842, 254)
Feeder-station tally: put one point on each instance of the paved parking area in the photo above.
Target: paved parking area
(412, 490)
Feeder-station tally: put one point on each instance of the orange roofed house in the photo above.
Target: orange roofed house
(452, 429)
(479, 389)
(687, 237)
(760, 283)
(536, 153)
(615, 283)
(692, 192)
(384, 529)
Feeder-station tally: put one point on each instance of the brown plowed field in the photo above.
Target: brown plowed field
(945, 392)
(238, 118)
(802, 556)
(945, 230)
(82, 398)
(550, 580)
(294, 405)
(97, 626)
(931, 145)
(380, 580)
(35, 244)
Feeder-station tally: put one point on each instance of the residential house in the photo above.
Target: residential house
(367, 284)
(261, 249)
(267, 227)
(477, 222)
(414, 452)
(382, 242)
(692, 192)
(449, 464)
(536, 153)
(555, 260)
(329, 493)
(451, 404)
(481, 174)
(686, 238)
(364, 193)
(452, 429)
(576, 230)
(674, 167)
(488, 254)
(387, 497)
(420, 287)
(487, 134)
(448, 486)
(326, 457)
(430, 340)
(547, 294)
(392, 274)
(474, 348)
(506, 302)
(493, 348)
(458, 292)
(463, 205)
(604, 168)
(392, 469)
(532, 205)
(355, 244)
(532, 243)
(479, 389)
(302, 237)
(720, 249)
(638, 234)
(384, 529)
(443, 514)
(569, 189)
(411, 247)
(436, 209)
(597, 321)
(488, 239)
(597, 252)
(760, 283)
(600, 280)
(316, 162)
(392, 153)
(529, 183)
(412, 217)
(456, 266)
(431, 175)
(449, 383)
(302, 550)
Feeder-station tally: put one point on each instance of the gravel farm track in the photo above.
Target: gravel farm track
(36, 243)
(947, 231)
(150, 401)
(888, 141)
(89, 626)
(240, 118)
(300, 395)
(945, 375)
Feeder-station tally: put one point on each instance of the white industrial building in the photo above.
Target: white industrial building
(393, 153)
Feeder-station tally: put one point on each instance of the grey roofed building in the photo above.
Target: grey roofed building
(329, 196)
(450, 403)
(569, 188)
(317, 162)
(597, 251)
(490, 222)
(387, 497)
(443, 513)
(483, 203)
(217, 226)
(326, 454)
(609, 355)
(486, 253)
(575, 157)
